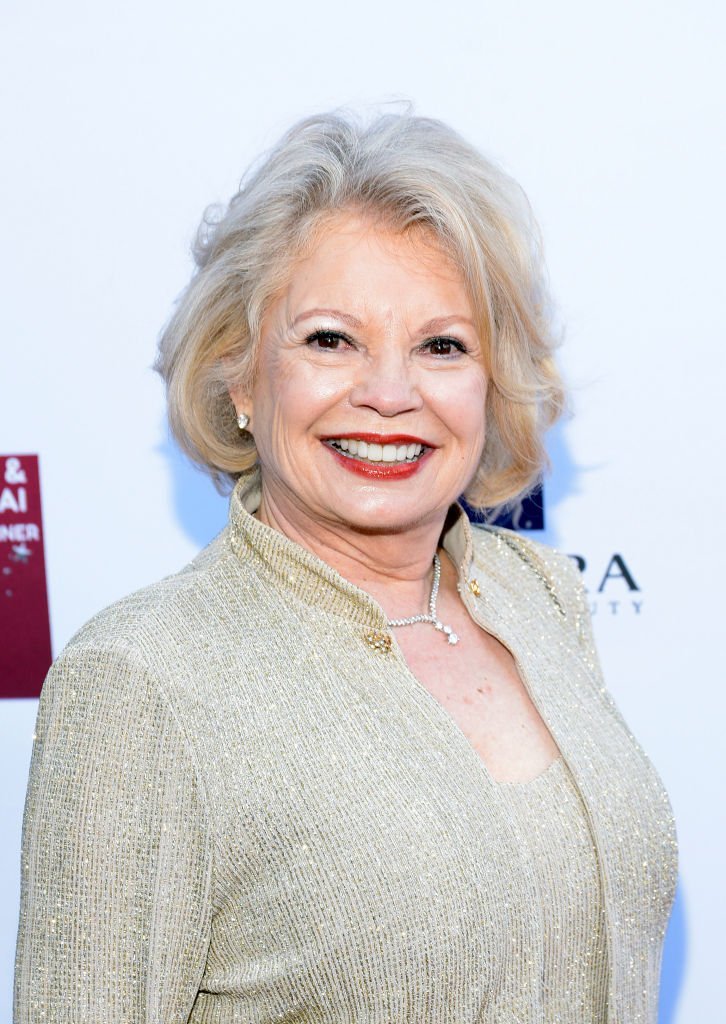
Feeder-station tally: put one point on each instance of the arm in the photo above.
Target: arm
(116, 863)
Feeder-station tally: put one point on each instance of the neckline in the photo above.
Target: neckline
(457, 733)
(544, 776)
(299, 572)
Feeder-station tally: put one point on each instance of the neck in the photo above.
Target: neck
(396, 569)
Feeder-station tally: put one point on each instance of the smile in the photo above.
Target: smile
(379, 456)
(364, 451)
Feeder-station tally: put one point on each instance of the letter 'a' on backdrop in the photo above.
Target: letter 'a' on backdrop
(25, 654)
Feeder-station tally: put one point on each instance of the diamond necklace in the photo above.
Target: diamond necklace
(431, 617)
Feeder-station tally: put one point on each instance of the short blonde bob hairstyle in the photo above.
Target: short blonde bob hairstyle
(409, 172)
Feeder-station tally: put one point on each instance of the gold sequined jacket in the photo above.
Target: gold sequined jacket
(244, 809)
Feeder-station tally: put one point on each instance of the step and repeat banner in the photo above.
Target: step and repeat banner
(25, 651)
(122, 125)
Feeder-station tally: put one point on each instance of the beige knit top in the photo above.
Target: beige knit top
(244, 808)
(552, 826)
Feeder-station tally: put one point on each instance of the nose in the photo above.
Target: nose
(386, 383)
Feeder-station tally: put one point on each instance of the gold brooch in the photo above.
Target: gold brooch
(380, 642)
(474, 587)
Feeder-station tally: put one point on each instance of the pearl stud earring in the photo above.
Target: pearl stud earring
(243, 421)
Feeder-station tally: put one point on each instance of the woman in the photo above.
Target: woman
(355, 762)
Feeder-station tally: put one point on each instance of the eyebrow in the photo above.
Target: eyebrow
(437, 323)
(440, 323)
(336, 314)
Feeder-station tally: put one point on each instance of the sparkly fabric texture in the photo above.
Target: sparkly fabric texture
(553, 829)
(244, 809)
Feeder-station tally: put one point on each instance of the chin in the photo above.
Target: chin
(389, 517)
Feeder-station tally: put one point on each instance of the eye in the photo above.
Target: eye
(443, 347)
(328, 341)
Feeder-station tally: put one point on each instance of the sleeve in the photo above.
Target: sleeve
(116, 855)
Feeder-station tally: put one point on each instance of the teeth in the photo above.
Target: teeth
(389, 453)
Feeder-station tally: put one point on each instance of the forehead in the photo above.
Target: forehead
(355, 252)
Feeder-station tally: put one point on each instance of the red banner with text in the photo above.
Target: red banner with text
(25, 654)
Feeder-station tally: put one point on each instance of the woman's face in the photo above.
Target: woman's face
(368, 405)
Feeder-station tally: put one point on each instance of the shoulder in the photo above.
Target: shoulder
(492, 542)
(499, 549)
(121, 681)
(145, 634)
(532, 574)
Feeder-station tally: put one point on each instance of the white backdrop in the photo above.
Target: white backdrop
(122, 122)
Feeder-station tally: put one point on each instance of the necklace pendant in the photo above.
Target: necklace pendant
(373, 639)
(450, 634)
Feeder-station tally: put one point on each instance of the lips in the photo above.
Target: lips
(379, 455)
(372, 452)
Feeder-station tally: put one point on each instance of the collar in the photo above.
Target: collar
(299, 572)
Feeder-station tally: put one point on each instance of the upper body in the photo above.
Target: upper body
(274, 786)
(242, 811)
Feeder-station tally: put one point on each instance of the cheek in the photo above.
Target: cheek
(300, 388)
(291, 396)
(275, 397)
(462, 403)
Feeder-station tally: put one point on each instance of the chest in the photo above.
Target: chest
(479, 686)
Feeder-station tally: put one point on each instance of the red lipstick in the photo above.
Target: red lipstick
(379, 470)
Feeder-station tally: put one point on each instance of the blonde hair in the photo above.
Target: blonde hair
(411, 172)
